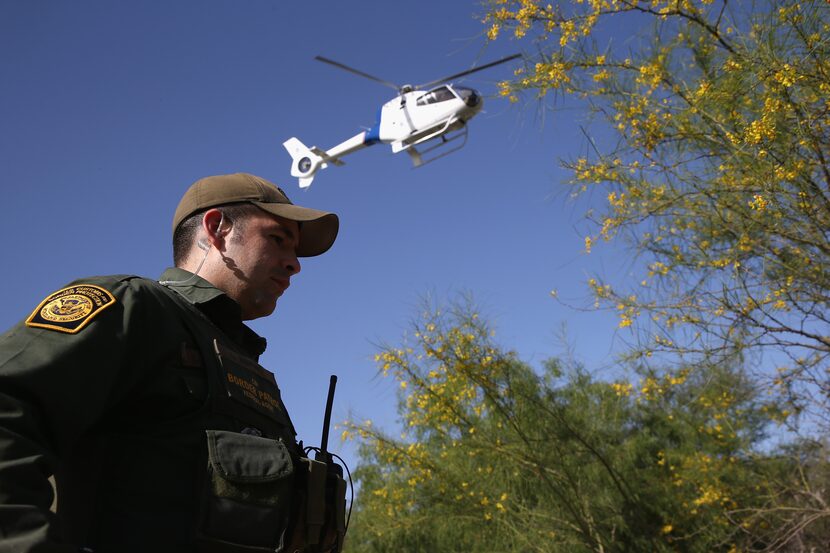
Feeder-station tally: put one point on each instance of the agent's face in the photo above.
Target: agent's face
(260, 256)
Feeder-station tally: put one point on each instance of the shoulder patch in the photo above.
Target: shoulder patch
(70, 309)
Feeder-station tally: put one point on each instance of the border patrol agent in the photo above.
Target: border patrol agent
(145, 400)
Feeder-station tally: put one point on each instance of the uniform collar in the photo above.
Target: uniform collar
(194, 288)
(218, 307)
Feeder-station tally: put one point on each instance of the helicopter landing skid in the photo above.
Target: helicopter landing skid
(440, 142)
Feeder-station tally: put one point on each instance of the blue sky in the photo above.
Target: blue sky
(110, 109)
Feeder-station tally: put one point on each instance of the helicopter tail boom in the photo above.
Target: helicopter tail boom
(306, 161)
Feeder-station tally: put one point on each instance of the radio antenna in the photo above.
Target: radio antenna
(324, 440)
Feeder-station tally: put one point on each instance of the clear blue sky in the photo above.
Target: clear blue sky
(110, 109)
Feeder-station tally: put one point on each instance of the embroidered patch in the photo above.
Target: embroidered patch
(71, 309)
(250, 384)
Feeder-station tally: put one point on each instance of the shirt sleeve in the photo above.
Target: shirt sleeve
(56, 382)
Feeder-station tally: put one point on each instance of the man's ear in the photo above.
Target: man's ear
(214, 232)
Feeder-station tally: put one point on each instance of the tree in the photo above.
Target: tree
(719, 123)
(497, 457)
(709, 143)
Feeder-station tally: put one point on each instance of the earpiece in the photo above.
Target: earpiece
(221, 220)
(203, 243)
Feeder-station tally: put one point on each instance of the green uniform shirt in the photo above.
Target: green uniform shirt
(111, 385)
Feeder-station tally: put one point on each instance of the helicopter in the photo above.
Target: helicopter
(431, 116)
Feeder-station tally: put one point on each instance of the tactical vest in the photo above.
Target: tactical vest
(251, 489)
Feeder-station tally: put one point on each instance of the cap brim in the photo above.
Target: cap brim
(317, 232)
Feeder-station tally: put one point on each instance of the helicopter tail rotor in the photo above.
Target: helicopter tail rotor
(305, 161)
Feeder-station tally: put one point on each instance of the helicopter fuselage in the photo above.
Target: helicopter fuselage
(415, 116)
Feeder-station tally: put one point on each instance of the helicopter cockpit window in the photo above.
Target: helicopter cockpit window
(440, 94)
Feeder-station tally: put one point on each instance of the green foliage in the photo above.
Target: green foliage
(497, 457)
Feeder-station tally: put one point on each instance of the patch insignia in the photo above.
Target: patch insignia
(250, 384)
(71, 309)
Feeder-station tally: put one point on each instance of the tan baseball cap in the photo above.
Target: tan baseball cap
(317, 231)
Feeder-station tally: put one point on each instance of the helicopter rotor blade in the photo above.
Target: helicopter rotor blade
(357, 72)
(468, 71)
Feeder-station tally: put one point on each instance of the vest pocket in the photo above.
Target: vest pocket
(248, 494)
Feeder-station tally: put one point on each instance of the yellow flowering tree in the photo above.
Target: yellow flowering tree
(495, 456)
(712, 153)
(709, 139)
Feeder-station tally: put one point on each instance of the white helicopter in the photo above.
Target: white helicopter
(418, 114)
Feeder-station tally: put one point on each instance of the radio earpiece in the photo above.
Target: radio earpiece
(202, 242)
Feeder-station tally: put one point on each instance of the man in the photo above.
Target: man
(145, 401)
